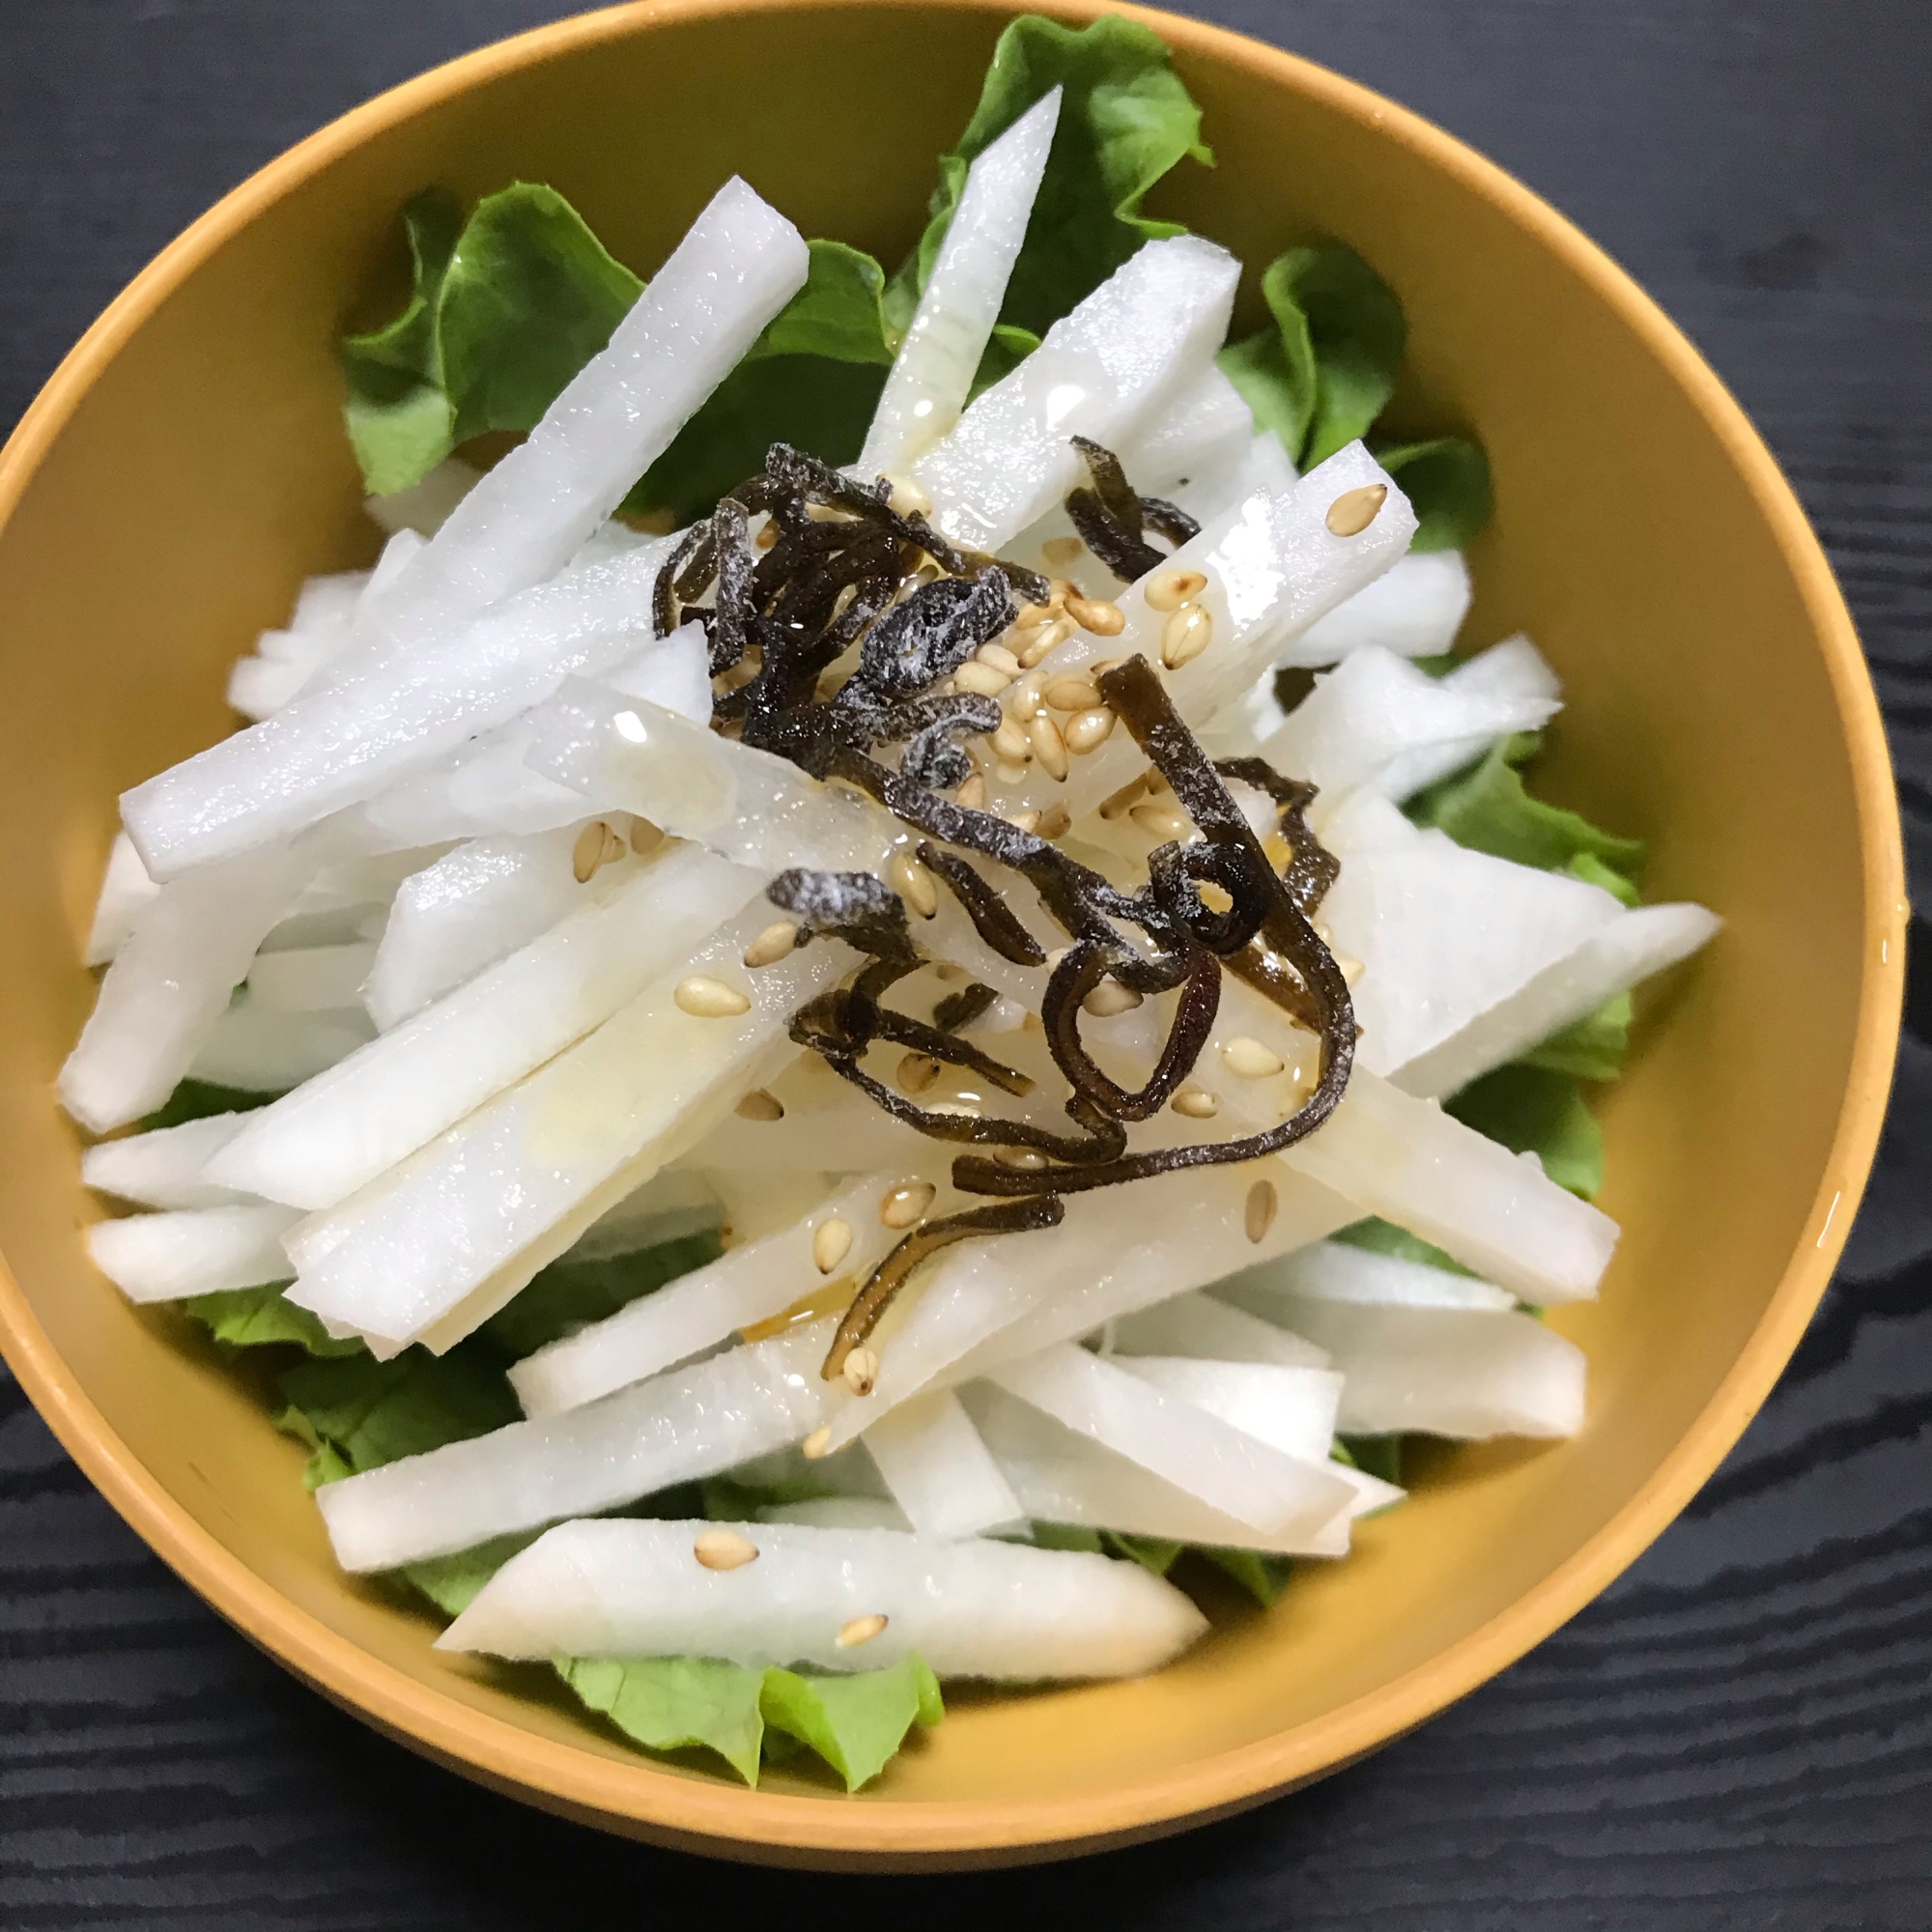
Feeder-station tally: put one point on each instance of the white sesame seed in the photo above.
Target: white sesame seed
(723, 1549)
(759, 1105)
(831, 1244)
(908, 498)
(1072, 694)
(917, 1072)
(1048, 747)
(1054, 822)
(1109, 998)
(1095, 614)
(980, 679)
(1058, 552)
(914, 884)
(1354, 510)
(772, 945)
(1000, 658)
(861, 1371)
(1196, 1103)
(1185, 635)
(815, 1445)
(861, 1630)
(1248, 1059)
(1170, 589)
(644, 836)
(707, 999)
(1160, 821)
(903, 1206)
(595, 848)
(1089, 731)
(1011, 743)
(1258, 1216)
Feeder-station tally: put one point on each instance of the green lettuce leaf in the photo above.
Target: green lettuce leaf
(677, 1703)
(1373, 1455)
(1486, 808)
(855, 1724)
(1447, 483)
(568, 1294)
(1125, 119)
(1593, 1048)
(452, 1582)
(197, 1099)
(1385, 1237)
(1263, 1576)
(1068, 1536)
(1321, 374)
(357, 1413)
(251, 1318)
(1156, 1554)
(1531, 1110)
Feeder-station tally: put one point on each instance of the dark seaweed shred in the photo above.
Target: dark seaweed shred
(837, 566)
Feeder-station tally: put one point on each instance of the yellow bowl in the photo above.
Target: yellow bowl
(185, 468)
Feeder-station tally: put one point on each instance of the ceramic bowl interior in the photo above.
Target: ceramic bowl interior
(187, 468)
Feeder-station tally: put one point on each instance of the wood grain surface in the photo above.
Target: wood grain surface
(1738, 1737)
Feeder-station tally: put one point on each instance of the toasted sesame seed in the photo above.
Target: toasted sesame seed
(1160, 821)
(828, 513)
(707, 999)
(1258, 1216)
(1351, 970)
(1000, 658)
(759, 1105)
(945, 970)
(1185, 635)
(983, 680)
(772, 945)
(1354, 510)
(1031, 646)
(1109, 998)
(1011, 743)
(1031, 1022)
(1116, 804)
(1072, 694)
(1010, 775)
(903, 1206)
(723, 1549)
(1196, 1103)
(831, 1244)
(593, 851)
(917, 1072)
(861, 1372)
(1170, 589)
(914, 884)
(908, 498)
(1056, 553)
(1048, 747)
(644, 836)
(1097, 615)
(973, 793)
(1033, 615)
(1027, 1160)
(1054, 822)
(1089, 731)
(1059, 589)
(815, 1445)
(861, 1629)
(1100, 667)
(768, 534)
(1248, 1059)
(1024, 700)
(1027, 820)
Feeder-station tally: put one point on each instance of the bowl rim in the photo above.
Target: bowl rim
(647, 1802)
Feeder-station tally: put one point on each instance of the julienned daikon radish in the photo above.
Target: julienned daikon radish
(1225, 1467)
(1461, 1372)
(316, 1146)
(1207, 428)
(1270, 566)
(932, 374)
(192, 1251)
(837, 1513)
(1615, 958)
(188, 948)
(1375, 710)
(670, 1205)
(1292, 1409)
(644, 1086)
(1513, 676)
(823, 1120)
(678, 1427)
(343, 743)
(310, 979)
(126, 890)
(1101, 372)
(939, 1471)
(164, 1169)
(478, 904)
(839, 1600)
(985, 1303)
(261, 1049)
(1196, 1324)
(1064, 1477)
(1341, 1272)
(1443, 933)
(839, 1241)
(1415, 611)
(739, 264)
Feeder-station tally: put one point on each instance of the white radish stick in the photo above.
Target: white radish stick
(310, 979)
(1256, 575)
(407, 1250)
(162, 1169)
(1414, 610)
(739, 264)
(1292, 1409)
(192, 1251)
(1513, 676)
(1341, 1272)
(1102, 371)
(839, 1513)
(665, 1208)
(1220, 1465)
(840, 1600)
(1615, 958)
(1375, 712)
(1443, 933)
(678, 1428)
(342, 743)
(1062, 1477)
(823, 1120)
(837, 1242)
(939, 1471)
(189, 947)
(126, 890)
(316, 1146)
(260, 1050)
(1208, 428)
(927, 385)
(1197, 1326)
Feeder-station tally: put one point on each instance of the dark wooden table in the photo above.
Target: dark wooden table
(1738, 1736)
